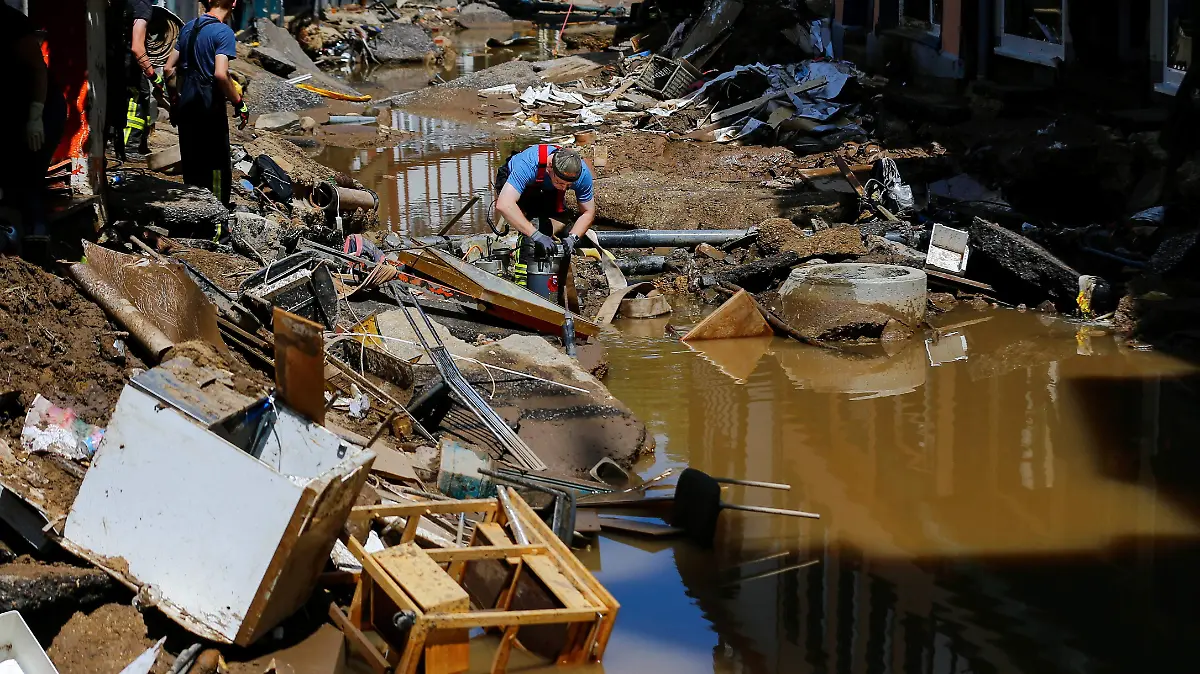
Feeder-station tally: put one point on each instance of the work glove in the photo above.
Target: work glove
(160, 87)
(570, 242)
(242, 112)
(35, 132)
(542, 243)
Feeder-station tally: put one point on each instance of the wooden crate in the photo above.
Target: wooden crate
(428, 583)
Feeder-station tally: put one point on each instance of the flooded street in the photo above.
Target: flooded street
(1019, 510)
(1011, 497)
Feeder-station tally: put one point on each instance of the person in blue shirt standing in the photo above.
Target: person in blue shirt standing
(533, 184)
(201, 62)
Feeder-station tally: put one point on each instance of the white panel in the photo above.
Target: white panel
(190, 514)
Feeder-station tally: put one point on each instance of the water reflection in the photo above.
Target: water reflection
(1025, 509)
(423, 181)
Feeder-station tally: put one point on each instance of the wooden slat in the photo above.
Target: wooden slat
(484, 552)
(359, 641)
(496, 537)
(550, 616)
(422, 579)
(737, 317)
(482, 505)
(545, 569)
(638, 526)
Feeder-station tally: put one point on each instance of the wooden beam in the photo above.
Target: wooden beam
(549, 616)
(422, 579)
(750, 105)
(544, 568)
(380, 576)
(484, 552)
(481, 505)
(360, 642)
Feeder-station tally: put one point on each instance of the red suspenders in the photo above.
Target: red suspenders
(543, 164)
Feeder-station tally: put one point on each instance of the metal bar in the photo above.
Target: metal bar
(514, 522)
(458, 216)
(770, 511)
(650, 238)
(563, 523)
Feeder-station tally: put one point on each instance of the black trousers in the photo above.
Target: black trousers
(23, 172)
(204, 149)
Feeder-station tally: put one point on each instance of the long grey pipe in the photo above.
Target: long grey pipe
(676, 238)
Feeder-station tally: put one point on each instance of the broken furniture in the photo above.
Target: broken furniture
(299, 284)
(221, 510)
(698, 503)
(422, 602)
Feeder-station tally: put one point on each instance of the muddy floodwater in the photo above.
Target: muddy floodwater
(1024, 505)
(1014, 494)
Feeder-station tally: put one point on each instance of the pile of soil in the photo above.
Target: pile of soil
(102, 642)
(779, 235)
(51, 339)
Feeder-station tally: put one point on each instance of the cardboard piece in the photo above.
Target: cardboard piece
(738, 317)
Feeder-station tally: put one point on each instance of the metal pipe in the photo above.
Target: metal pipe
(647, 265)
(770, 511)
(753, 483)
(563, 522)
(515, 522)
(678, 238)
(330, 197)
(352, 119)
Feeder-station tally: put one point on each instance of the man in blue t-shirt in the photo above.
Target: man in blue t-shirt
(201, 62)
(534, 185)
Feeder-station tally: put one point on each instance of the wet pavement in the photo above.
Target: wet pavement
(1023, 508)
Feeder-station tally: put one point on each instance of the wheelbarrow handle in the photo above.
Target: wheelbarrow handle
(770, 511)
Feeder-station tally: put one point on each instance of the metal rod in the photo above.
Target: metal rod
(458, 216)
(563, 521)
(753, 483)
(680, 238)
(770, 511)
(646, 485)
(517, 527)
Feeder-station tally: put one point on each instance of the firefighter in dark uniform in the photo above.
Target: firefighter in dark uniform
(533, 184)
(132, 78)
(204, 83)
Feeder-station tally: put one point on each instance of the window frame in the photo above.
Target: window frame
(1029, 49)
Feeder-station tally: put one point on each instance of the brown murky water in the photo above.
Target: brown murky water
(1022, 509)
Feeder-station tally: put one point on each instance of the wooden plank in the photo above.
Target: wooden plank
(484, 552)
(393, 463)
(300, 364)
(737, 317)
(410, 528)
(359, 641)
(479, 505)
(496, 536)
(422, 579)
(750, 105)
(550, 616)
(500, 660)
(448, 652)
(508, 299)
(610, 523)
(547, 571)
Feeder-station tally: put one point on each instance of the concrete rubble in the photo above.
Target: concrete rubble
(412, 361)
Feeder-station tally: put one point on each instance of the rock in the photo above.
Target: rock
(38, 589)
(184, 210)
(164, 160)
(274, 61)
(308, 125)
(897, 252)
(942, 302)
(477, 14)
(760, 274)
(280, 122)
(270, 93)
(711, 252)
(400, 42)
(257, 237)
(275, 38)
(1175, 249)
(778, 235)
(1020, 270)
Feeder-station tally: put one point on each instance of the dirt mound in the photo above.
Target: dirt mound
(102, 642)
(779, 235)
(51, 339)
